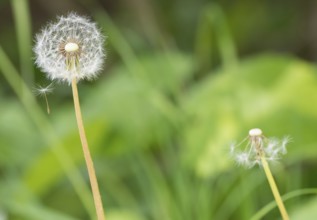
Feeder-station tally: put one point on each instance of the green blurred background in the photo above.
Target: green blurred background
(182, 80)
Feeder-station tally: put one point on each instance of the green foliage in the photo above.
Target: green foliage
(306, 211)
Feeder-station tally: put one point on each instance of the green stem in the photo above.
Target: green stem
(274, 189)
(88, 159)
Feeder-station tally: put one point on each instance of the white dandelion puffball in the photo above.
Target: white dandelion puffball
(70, 48)
(259, 147)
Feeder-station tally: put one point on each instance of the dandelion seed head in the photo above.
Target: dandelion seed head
(72, 47)
(258, 146)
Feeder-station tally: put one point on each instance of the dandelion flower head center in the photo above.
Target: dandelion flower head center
(71, 47)
(71, 51)
(255, 132)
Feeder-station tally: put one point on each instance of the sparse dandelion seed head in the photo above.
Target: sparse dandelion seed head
(258, 146)
(72, 47)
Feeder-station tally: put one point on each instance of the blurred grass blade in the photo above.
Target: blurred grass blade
(120, 44)
(203, 45)
(36, 212)
(128, 56)
(46, 130)
(24, 36)
(269, 207)
(213, 21)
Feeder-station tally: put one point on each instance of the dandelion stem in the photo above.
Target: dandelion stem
(274, 189)
(88, 159)
(47, 105)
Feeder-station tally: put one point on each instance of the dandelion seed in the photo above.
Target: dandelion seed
(285, 141)
(243, 159)
(70, 48)
(43, 91)
(232, 148)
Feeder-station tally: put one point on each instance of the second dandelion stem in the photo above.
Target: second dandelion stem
(274, 189)
(88, 159)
